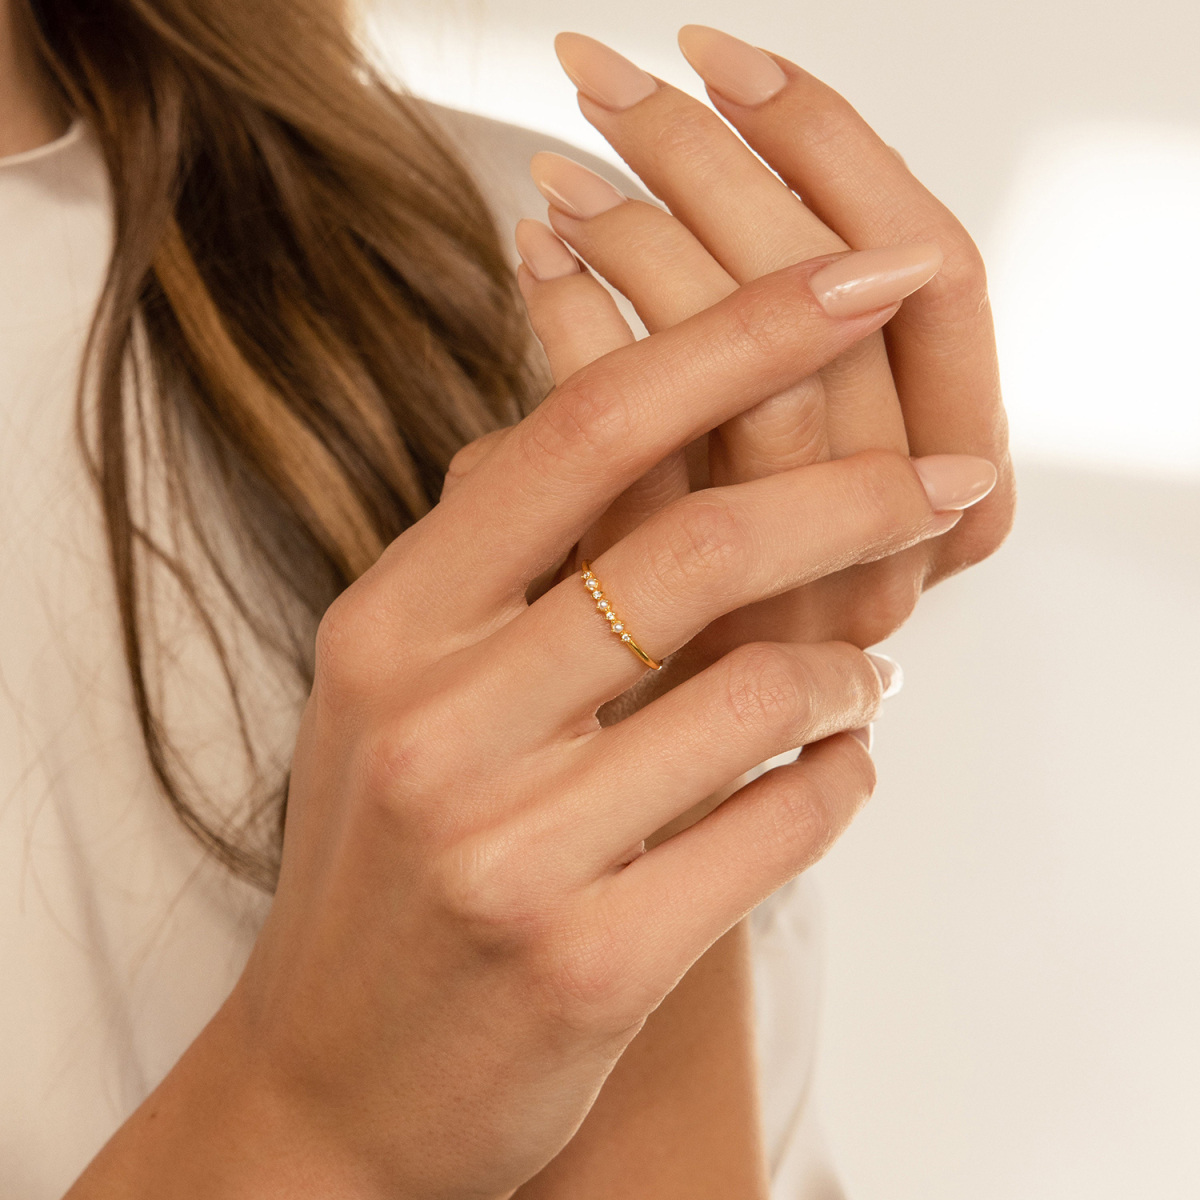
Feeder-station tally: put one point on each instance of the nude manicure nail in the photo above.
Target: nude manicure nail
(954, 481)
(572, 188)
(890, 673)
(602, 74)
(866, 735)
(738, 71)
(865, 280)
(942, 523)
(543, 252)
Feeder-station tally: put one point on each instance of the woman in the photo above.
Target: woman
(484, 891)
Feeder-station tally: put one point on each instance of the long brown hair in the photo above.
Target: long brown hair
(307, 287)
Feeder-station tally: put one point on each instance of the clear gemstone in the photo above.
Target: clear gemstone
(626, 638)
(602, 605)
(612, 616)
(618, 628)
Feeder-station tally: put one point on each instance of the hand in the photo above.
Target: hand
(732, 221)
(467, 931)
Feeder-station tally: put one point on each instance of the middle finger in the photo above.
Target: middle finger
(667, 274)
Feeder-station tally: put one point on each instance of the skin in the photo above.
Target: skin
(730, 220)
(928, 384)
(441, 989)
(698, 1043)
(260, 1104)
(29, 113)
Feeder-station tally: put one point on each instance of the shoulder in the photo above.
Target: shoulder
(498, 155)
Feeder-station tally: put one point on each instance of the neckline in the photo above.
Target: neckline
(63, 142)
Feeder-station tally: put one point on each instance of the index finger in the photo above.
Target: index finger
(528, 502)
(941, 344)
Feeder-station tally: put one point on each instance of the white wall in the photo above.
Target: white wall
(1014, 936)
(1014, 920)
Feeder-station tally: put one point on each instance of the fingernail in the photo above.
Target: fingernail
(602, 74)
(942, 523)
(954, 481)
(740, 72)
(543, 252)
(890, 673)
(866, 735)
(865, 280)
(572, 188)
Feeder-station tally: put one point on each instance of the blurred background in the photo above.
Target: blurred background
(1013, 987)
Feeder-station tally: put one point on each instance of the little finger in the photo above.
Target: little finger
(684, 893)
(761, 699)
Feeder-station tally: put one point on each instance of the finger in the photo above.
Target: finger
(683, 894)
(758, 701)
(644, 251)
(711, 553)
(688, 157)
(577, 321)
(942, 344)
(668, 276)
(522, 508)
(739, 209)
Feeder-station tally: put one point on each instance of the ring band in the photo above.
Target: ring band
(614, 622)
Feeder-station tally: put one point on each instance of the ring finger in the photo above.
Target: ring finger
(709, 554)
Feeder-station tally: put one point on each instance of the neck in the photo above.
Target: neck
(30, 116)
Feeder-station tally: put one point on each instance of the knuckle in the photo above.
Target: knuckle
(886, 603)
(468, 457)
(962, 284)
(483, 887)
(803, 822)
(337, 669)
(588, 985)
(415, 755)
(587, 975)
(687, 140)
(768, 687)
(356, 653)
(825, 123)
(586, 419)
(883, 491)
(393, 763)
(701, 542)
(763, 320)
(812, 813)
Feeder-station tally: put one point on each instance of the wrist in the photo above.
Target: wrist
(219, 1128)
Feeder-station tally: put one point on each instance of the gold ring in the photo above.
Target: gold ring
(614, 622)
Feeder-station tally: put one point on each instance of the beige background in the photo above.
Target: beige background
(1014, 923)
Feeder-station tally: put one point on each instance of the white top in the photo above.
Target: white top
(119, 937)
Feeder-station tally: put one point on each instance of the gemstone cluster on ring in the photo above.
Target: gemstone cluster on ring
(606, 610)
(615, 623)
